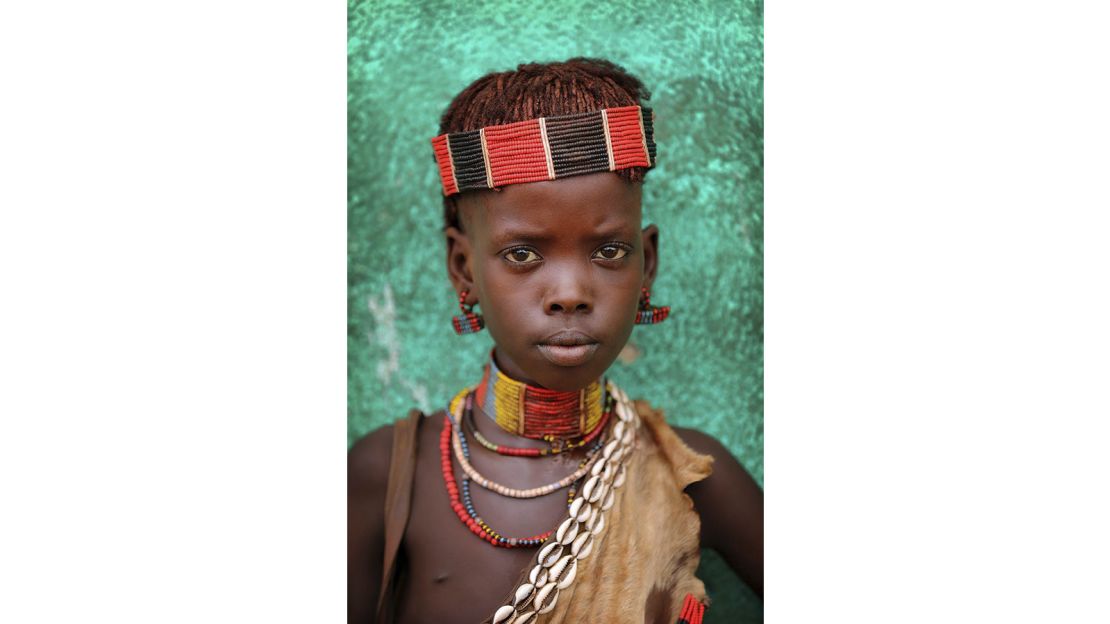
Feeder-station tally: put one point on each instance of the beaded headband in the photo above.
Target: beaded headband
(545, 148)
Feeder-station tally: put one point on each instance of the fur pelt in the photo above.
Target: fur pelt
(651, 541)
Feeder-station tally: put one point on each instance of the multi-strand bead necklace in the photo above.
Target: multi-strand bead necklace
(464, 505)
(538, 413)
(530, 409)
(463, 458)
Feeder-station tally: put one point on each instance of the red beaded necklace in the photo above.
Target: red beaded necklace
(557, 445)
(538, 413)
(463, 506)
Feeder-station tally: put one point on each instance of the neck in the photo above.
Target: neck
(538, 413)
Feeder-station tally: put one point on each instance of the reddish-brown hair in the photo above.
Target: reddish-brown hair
(579, 85)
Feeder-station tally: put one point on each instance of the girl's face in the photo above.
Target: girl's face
(556, 268)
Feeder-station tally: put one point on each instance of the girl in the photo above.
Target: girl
(543, 493)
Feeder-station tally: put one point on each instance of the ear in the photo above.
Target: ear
(651, 254)
(458, 263)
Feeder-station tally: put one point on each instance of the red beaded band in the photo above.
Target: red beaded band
(692, 611)
(516, 451)
(545, 148)
(538, 413)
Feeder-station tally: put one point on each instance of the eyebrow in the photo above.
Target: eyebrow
(612, 232)
(607, 232)
(525, 236)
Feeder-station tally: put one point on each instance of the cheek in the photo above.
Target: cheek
(626, 293)
(626, 284)
(621, 301)
(502, 289)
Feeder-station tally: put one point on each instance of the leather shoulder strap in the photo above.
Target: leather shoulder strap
(398, 501)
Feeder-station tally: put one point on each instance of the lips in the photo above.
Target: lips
(568, 348)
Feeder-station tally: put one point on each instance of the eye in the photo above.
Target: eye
(611, 251)
(521, 255)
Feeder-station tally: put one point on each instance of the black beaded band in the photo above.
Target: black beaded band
(546, 148)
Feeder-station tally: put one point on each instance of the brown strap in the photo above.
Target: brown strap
(398, 501)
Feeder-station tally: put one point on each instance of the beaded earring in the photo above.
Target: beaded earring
(468, 322)
(649, 314)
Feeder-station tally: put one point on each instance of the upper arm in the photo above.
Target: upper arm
(730, 505)
(367, 478)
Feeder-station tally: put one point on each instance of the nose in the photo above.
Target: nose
(570, 292)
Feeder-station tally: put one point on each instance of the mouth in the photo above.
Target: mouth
(568, 348)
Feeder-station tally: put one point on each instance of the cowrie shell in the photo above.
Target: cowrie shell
(584, 513)
(598, 492)
(599, 526)
(560, 565)
(582, 545)
(576, 506)
(619, 479)
(609, 448)
(592, 519)
(571, 571)
(567, 531)
(546, 598)
(563, 528)
(598, 467)
(525, 618)
(617, 454)
(628, 437)
(590, 487)
(550, 553)
(503, 614)
(609, 498)
(618, 430)
(523, 595)
(622, 414)
(538, 576)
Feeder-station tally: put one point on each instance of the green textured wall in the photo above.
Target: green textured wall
(703, 63)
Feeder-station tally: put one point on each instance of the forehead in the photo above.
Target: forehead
(570, 205)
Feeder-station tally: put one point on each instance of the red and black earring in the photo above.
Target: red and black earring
(649, 314)
(468, 322)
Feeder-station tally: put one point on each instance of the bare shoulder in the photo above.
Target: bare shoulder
(367, 479)
(702, 442)
(368, 462)
(727, 476)
(730, 504)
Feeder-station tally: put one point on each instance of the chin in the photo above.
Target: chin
(569, 378)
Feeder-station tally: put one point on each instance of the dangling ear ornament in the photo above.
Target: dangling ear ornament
(649, 314)
(468, 322)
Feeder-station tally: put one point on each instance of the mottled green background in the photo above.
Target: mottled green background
(703, 63)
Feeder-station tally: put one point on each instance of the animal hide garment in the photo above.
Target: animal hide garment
(644, 563)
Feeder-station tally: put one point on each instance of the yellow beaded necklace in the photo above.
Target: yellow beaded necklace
(539, 413)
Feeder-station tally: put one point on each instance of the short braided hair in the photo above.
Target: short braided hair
(579, 85)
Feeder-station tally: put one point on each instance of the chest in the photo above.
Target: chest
(452, 575)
